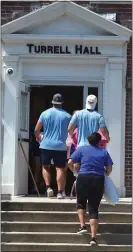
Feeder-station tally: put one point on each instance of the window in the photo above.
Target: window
(24, 111)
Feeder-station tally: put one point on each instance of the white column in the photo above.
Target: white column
(114, 112)
(10, 121)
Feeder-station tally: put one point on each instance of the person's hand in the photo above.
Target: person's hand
(75, 172)
(39, 138)
(107, 172)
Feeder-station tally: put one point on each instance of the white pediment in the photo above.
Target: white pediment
(66, 25)
(64, 18)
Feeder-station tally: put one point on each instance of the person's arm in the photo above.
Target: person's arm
(74, 167)
(72, 125)
(74, 137)
(108, 170)
(74, 159)
(37, 131)
(108, 163)
(105, 132)
(103, 128)
(71, 128)
(38, 128)
(70, 164)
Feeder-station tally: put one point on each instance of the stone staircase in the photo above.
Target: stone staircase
(32, 224)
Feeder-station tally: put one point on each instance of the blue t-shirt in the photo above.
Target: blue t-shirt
(92, 159)
(87, 123)
(55, 123)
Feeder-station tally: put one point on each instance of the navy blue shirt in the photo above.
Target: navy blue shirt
(92, 159)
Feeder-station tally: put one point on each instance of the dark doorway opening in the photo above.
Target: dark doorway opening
(40, 100)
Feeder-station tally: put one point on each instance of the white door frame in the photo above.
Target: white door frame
(84, 84)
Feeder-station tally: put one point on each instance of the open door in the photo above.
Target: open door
(24, 111)
(24, 107)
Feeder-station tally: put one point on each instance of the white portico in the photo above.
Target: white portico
(62, 44)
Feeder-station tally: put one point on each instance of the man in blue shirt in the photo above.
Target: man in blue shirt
(90, 182)
(88, 121)
(53, 145)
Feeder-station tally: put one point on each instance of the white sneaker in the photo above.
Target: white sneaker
(60, 196)
(64, 195)
(50, 193)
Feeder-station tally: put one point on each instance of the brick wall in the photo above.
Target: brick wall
(128, 130)
(18, 8)
(124, 17)
(128, 143)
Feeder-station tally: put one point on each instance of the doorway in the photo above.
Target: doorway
(40, 100)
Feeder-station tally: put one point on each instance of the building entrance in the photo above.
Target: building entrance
(40, 100)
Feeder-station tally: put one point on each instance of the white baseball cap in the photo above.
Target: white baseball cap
(91, 102)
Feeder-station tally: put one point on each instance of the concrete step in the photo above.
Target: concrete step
(55, 237)
(72, 227)
(43, 216)
(60, 206)
(64, 247)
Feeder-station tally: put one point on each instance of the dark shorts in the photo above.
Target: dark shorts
(59, 157)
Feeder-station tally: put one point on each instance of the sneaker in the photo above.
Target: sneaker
(82, 230)
(60, 195)
(64, 195)
(50, 193)
(93, 241)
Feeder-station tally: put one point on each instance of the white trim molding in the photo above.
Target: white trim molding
(10, 58)
(21, 38)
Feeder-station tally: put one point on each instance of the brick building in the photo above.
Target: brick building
(120, 13)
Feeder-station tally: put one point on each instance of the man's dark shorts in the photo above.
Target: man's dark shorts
(59, 157)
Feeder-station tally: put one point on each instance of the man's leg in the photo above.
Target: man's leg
(46, 174)
(60, 177)
(47, 178)
(60, 161)
(46, 160)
